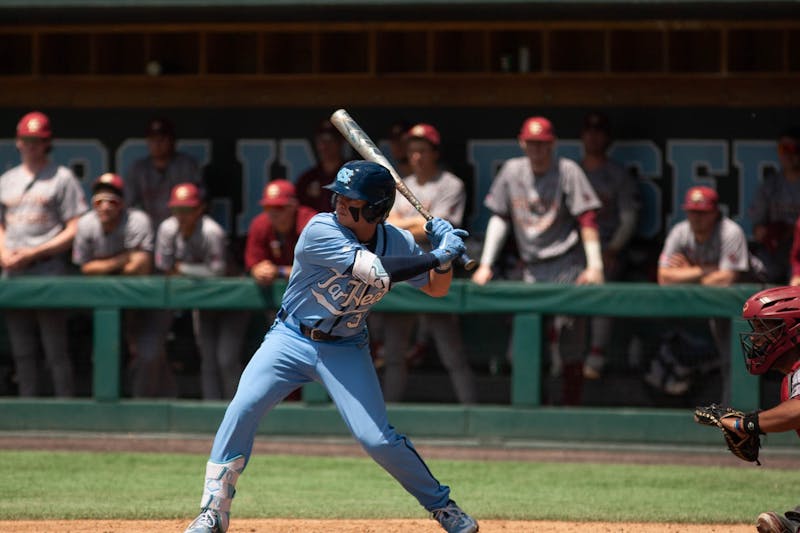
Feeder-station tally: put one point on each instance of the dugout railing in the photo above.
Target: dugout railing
(524, 418)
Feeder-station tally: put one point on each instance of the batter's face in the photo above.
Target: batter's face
(364, 230)
(540, 154)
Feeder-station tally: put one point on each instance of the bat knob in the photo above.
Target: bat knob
(469, 264)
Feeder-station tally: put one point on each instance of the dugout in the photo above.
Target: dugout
(227, 71)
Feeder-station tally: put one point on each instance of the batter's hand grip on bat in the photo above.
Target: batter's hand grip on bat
(362, 143)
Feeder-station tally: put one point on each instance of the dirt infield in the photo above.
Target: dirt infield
(356, 526)
(339, 447)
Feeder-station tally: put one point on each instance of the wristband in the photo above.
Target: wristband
(737, 424)
(750, 425)
(443, 270)
(594, 257)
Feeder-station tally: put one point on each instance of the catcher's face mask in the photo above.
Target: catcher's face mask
(764, 344)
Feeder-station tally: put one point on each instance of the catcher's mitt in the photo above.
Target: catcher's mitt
(745, 448)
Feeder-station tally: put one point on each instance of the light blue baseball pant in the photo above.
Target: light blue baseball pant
(286, 360)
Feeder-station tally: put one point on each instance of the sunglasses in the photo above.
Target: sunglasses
(788, 148)
(97, 202)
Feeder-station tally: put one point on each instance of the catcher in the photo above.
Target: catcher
(774, 342)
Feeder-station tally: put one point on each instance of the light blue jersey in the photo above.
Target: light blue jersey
(322, 291)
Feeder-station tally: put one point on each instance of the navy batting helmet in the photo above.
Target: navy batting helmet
(368, 181)
(774, 317)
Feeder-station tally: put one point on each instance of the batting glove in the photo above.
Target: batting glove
(450, 247)
(435, 229)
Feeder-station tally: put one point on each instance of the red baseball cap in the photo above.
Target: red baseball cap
(185, 195)
(109, 181)
(34, 124)
(278, 193)
(701, 199)
(425, 131)
(537, 129)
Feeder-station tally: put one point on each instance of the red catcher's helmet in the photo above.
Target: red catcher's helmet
(774, 317)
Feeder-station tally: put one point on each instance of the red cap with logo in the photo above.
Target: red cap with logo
(109, 181)
(427, 132)
(278, 193)
(537, 129)
(185, 195)
(701, 199)
(34, 124)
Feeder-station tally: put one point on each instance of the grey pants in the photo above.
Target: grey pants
(147, 331)
(220, 337)
(30, 329)
(446, 332)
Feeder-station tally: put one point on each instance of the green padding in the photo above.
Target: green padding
(221, 293)
(406, 298)
(80, 291)
(617, 299)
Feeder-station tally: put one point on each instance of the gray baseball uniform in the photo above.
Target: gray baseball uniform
(34, 209)
(146, 329)
(544, 210)
(727, 248)
(148, 188)
(219, 333)
(134, 232)
(444, 197)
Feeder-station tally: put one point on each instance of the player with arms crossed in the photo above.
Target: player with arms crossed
(345, 262)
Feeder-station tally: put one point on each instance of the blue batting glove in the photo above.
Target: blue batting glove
(435, 229)
(450, 247)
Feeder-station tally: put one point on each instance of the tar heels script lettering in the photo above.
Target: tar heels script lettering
(343, 295)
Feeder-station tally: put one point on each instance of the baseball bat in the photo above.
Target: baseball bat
(359, 140)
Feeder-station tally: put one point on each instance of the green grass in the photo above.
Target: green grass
(39, 485)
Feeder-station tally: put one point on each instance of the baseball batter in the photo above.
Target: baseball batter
(40, 204)
(345, 262)
(191, 243)
(552, 207)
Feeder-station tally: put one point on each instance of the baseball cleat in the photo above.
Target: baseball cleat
(454, 520)
(206, 522)
(774, 523)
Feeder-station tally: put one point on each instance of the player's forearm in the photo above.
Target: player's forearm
(58, 244)
(140, 263)
(719, 278)
(438, 283)
(496, 231)
(783, 417)
(109, 265)
(675, 275)
(625, 230)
